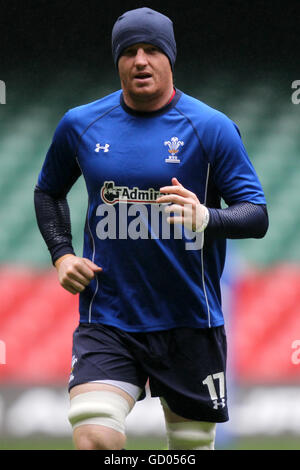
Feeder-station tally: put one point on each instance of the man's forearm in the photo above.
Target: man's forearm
(241, 220)
(53, 218)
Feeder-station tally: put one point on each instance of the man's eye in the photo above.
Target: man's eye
(129, 52)
(152, 49)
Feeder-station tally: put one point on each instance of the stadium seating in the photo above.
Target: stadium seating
(37, 318)
(266, 325)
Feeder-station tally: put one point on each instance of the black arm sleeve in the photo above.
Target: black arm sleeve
(53, 218)
(241, 220)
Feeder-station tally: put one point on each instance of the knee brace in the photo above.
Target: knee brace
(101, 407)
(193, 435)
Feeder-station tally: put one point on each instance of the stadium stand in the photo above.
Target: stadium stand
(266, 324)
(34, 307)
(36, 322)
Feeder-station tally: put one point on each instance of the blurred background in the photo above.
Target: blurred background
(240, 57)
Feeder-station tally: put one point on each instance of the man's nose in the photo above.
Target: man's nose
(141, 58)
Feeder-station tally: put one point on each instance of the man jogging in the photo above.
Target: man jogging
(156, 163)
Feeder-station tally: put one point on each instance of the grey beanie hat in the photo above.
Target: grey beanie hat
(143, 25)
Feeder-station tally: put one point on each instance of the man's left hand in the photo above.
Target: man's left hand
(190, 212)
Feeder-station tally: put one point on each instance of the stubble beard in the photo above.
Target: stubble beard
(144, 97)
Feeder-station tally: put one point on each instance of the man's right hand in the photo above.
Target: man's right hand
(75, 273)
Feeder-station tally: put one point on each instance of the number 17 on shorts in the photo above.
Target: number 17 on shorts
(211, 381)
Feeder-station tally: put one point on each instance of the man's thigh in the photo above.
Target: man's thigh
(192, 379)
(100, 353)
(97, 414)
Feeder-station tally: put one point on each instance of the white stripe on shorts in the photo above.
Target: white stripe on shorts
(133, 390)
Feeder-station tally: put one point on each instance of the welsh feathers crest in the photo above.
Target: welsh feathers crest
(174, 144)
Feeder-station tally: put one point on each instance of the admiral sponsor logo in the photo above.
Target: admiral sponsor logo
(111, 194)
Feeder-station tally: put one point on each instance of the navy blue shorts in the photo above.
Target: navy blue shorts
(185, 366)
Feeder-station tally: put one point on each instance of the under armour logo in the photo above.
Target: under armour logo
(218, 404)
(102, 147)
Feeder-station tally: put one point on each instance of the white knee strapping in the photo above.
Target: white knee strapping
(101, 407)
(193, 435)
